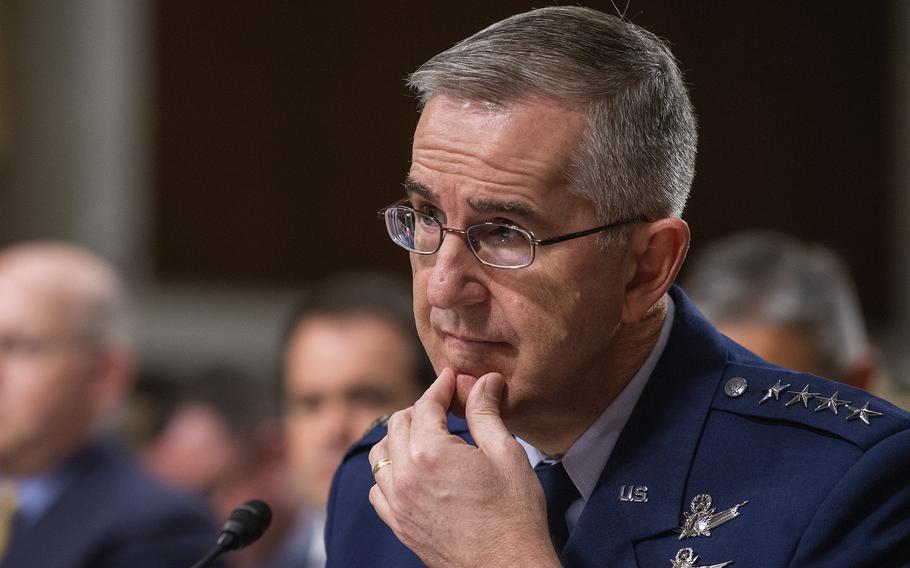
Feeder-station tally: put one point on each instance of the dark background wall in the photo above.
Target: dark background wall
(281, 127)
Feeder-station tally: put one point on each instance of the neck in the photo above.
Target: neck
(555, 428)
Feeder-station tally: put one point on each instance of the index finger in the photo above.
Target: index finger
(431, 408)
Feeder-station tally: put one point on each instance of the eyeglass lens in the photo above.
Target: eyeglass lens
(493, 243)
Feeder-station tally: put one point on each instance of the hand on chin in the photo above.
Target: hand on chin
(463, 384)
(467, 372)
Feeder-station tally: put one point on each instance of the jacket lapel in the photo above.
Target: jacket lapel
(656, 448)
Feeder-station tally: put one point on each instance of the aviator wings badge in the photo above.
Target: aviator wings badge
(686, 558)
(703, 518)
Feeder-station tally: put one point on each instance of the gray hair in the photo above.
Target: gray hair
(637, 155)
(768, 277)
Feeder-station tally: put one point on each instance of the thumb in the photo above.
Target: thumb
(482, 412)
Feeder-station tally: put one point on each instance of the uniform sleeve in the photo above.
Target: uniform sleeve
(865, 520)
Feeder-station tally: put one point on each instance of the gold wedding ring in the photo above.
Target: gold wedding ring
(381, 464)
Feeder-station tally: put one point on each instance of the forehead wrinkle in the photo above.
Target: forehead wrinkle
(478, 205)
(483, 205)
(483, 166)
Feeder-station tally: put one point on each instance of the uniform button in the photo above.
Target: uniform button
(735, 387)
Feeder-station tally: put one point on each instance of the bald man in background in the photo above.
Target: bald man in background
(78, 499)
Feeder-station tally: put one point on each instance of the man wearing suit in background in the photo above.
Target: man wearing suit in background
(613, 425)
(78, 499)
(350, 354)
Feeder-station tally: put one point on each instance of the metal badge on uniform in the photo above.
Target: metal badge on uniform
(735, 387)
(686, 558)
(803, 396)
(831, 402)
(703, 519)
(862, 412)
(774, 392)
(633, 493)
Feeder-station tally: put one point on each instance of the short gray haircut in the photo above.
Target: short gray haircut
(768, 277)
(637, 155)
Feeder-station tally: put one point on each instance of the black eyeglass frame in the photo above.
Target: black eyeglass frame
(535, 242)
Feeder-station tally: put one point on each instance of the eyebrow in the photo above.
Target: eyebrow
(510, 206)
(412, 186)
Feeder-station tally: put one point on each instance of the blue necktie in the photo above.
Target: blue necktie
(560, 493)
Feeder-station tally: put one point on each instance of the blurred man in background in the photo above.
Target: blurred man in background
(351, 354)
(75, 497)
(222, 441)
(792, 304)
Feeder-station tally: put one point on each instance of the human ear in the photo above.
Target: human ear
(656, 253)
(112, 377)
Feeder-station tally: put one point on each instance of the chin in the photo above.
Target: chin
(472, 365)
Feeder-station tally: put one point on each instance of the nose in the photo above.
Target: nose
(454, 276)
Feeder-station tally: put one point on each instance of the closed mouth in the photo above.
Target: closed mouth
(472, 339)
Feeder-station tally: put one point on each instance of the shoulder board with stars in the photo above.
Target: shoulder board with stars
(770, 392)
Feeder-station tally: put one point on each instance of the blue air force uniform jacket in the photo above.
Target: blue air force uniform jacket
(757, 465)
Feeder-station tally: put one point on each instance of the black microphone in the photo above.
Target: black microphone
(245, 525)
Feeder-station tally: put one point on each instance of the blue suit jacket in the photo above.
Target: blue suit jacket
(112, 515)
(822, 491)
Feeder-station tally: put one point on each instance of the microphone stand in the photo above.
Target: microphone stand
(225, 542)
(245, 525)
(214, 553)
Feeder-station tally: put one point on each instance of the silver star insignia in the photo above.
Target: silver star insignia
(686, 558)
(803, 396)
(863, 413)
(831, 402)
(773, 392)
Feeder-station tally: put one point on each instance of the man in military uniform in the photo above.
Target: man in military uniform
(607, 423)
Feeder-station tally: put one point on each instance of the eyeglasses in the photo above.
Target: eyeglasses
(499, 245)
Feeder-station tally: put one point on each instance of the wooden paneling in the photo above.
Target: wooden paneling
(283, 126)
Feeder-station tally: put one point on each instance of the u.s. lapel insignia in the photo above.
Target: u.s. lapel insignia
(703, 519)
(686, 558)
